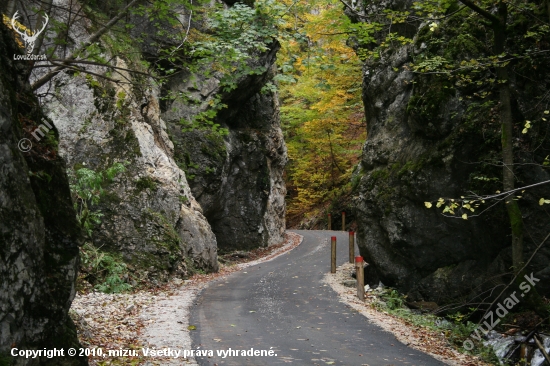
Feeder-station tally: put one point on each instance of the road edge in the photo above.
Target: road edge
(398, 327)
(176, 307)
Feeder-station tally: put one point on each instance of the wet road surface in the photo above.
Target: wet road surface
(284, 306)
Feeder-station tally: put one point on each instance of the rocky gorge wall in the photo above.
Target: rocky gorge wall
(238, 179)
(149, 213)
(183, 194)
(427, 139)
(39, 234)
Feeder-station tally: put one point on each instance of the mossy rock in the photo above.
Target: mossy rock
(145, 183)
(166, 248)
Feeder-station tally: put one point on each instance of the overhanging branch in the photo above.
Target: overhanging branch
(484, 13)
(44, 79)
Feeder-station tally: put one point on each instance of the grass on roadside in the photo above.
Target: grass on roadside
(105, 272)
(455, 327)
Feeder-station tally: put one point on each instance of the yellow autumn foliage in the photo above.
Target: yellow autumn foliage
(322, 112)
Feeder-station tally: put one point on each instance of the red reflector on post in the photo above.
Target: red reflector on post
(352, 232)
(358, 259)
(333, 238)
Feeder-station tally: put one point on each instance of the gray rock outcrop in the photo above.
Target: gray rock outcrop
(238, 179)
(149, 213)
(426, 141)
(39, 234)
(183, 194)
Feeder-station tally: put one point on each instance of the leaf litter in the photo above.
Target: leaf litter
(155, 317)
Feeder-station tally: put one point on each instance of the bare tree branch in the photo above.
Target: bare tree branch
(515, 276)
(75, 68)
(67, 62)
(484, 13)
(44, 79)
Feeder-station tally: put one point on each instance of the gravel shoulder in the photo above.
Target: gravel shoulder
(417, 337)
(155, 318)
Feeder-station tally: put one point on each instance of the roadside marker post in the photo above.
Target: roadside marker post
(329, 221)
(360, 277)
(351, 246)
(343, 221)
(333, 255)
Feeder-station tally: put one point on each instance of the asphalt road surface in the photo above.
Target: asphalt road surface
(283, 306)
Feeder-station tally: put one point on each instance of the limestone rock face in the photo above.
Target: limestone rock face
(184, 193)
(237, 178)
(423, 143)
(149, 213)
(39, 234)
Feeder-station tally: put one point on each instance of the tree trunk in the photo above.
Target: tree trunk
(514, 213)
(508, 178)
(498, 23)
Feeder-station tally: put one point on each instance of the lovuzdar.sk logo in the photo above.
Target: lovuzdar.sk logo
(29, 37)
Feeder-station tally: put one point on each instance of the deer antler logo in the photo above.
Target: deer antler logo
(29, 40)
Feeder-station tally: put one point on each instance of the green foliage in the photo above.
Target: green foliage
(394, 303)
(227, 48)
(456, 331)
(473, 204)
(87, 187)
(205, 120)
(427, 105)
(104, 270)
(393, 299)
(458, 53)
(238, 33)
(146, 183)
(6, 359)
(192, 268)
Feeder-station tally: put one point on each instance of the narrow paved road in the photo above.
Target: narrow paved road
(283, 304)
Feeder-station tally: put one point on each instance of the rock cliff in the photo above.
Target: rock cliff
(150, 215)
(39, 234)
(95, 118)
(428, 138)
(238, 180)
(184, 193)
